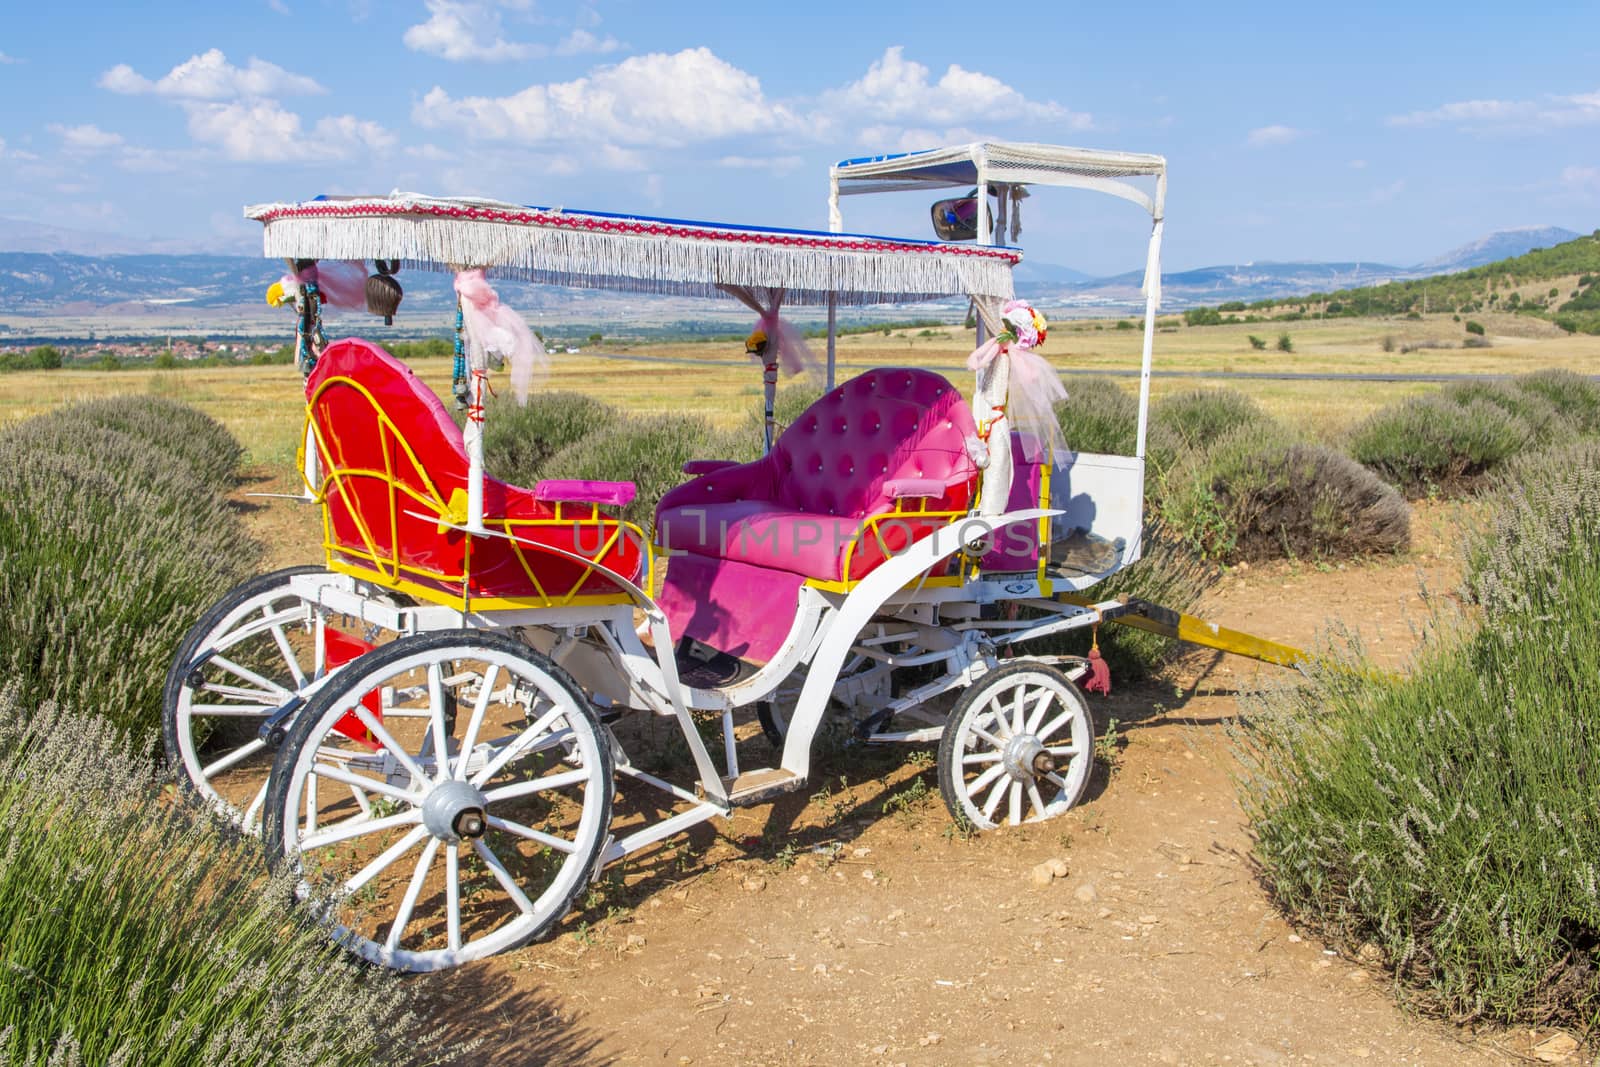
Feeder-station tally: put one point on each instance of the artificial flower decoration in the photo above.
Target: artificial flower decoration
(756, 342)
(1025, 326)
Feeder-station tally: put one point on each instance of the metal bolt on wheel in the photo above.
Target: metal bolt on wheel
(446, 796)
(1018, 747)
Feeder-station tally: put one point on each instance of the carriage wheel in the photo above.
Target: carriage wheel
(1018, 747)
(447, 795)
(258, 637)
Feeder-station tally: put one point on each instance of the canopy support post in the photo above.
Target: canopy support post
(472, 435)
(833, 333)
(1152, 299)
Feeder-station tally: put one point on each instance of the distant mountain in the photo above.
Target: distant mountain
(1028, 273)
(1501, 244)
(1209, 285)
(24, 235)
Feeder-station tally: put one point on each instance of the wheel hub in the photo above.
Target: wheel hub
(1025, 758)
(455, 810)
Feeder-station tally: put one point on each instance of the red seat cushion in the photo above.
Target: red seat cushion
(394, 465)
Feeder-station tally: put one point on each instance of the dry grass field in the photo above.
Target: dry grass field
(261, 404)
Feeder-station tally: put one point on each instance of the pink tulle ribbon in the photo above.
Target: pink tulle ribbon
(1032, 395)
(341, 283)
(492, 327)
(786, 346)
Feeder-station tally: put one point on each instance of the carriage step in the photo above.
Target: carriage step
(755, 787)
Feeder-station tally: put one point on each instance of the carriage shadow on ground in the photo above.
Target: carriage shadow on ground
(856, 786)
(482, 1012)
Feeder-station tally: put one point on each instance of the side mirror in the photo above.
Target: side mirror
(956, 219)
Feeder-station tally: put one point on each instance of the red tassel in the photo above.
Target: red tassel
(1099, 678)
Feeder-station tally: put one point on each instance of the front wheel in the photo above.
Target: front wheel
(446, 795)
(1018, 747)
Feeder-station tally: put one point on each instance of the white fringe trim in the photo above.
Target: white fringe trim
(694, 266)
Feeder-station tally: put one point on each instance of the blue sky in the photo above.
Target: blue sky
(1385, 132)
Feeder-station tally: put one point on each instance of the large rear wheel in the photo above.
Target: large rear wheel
(447, 796)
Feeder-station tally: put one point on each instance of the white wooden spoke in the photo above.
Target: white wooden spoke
(344, 831)
(980, 732)
(486, 854)
(441, 739)
(1054, 724)
(390, 745)
(979, 757)
(262, 697)
(362, 802)
(385, 859)
(475, 721)
(997, 714)
(995, 795)
(536, 836)
(311, 804)
(1062, 750)
(363, 783)
(1039, 710)
(237, 756)
(1017, 695)
(1058, 781)
(289, 659)
(408, 903)
(252, 677)
(1016, 803)
(1035, 799)
(253, 812)
(515, 748)
(452, 897)
(537, 785)
(981, 782)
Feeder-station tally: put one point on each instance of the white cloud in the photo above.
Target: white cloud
(262, 131)
(1270, 135)
(649, 100)
(85, 138)
(2, 146)
(460, 30)
(8, 59)
(776, 164)
(1385, 194)
(582, 42)
(1581, 181)
(209, 76)
(1358, 164)
(1546, 113)
(915, 138)
(896, 88)
(279, 7)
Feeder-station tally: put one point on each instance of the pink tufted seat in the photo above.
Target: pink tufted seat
(890, 432)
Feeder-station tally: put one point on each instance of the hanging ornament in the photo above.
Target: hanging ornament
(383, 290)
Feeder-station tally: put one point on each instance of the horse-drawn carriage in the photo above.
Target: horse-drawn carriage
(429, 723)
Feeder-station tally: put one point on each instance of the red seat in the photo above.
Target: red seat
(394, 471)
(876, 464)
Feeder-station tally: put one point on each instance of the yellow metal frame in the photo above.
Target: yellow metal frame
(389, 572)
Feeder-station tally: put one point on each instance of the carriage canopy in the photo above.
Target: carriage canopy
(636, 253)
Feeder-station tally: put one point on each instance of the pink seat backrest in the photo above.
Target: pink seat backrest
(894, 422)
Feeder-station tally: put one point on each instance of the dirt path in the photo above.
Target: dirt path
(881, 937)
